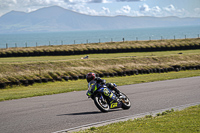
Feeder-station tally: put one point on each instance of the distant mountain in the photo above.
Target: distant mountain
(55, 18)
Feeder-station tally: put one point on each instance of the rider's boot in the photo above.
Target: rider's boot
(113, 87)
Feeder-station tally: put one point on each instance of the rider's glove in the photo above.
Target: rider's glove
(88, 93)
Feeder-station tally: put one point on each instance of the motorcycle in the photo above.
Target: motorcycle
(106, 99)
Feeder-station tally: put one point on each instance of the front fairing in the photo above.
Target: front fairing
(93, 86)
(107, 92)
(110, 96)
(90, 84)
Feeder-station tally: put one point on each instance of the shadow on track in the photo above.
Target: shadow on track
(87, 113)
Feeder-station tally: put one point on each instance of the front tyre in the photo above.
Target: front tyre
(101, 103)
(126, 103)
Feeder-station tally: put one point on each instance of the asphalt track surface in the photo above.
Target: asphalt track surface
(46, 114)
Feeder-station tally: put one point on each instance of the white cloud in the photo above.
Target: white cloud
(82, 6)
(124, 10)
(30, 9)
(128, 0)
(99, 1)
(169, 8)
(4, 4)
(82, 9)
(86, 1)
(28, 3)
(105, 10)
(197, 12)
(156, 9)
(144, 8)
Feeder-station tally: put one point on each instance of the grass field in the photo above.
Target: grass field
(95, 56)
(184, 121)
(50, 88)
(17, 69)
(31, 68)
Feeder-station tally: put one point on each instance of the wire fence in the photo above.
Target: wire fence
(87, 41)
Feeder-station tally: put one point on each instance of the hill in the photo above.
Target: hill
(55, 19)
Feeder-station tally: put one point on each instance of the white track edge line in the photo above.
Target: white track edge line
(101, 123)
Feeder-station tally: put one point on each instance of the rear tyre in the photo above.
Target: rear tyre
(126, 103)
(101, 104)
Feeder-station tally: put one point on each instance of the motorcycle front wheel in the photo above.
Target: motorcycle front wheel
(101, 103)
(126, 104)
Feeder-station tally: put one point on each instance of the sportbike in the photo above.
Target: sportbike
(106, 99)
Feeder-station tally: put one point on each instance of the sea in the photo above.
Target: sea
(97, 36)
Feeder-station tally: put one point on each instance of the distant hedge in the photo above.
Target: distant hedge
(51, 77)
(109, 47)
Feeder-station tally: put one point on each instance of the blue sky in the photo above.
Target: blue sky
(156, 8)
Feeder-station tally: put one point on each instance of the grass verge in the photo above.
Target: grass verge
(50, 88)
(184, 121)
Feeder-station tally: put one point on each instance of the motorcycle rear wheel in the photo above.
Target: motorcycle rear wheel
(103, 106)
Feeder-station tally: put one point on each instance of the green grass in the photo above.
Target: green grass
(50, 88)
(184, 121)
(95, 56)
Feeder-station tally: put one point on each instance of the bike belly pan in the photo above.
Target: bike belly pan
(113, 103)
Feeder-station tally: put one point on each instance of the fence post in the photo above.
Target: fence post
(6, 45)
(198, 35)
(49, 43)
(136, 38)
(15, 45)
(26, 44)
(161, 38)
(174, 38)
(185, 37)
(99, 41)
(36, 44)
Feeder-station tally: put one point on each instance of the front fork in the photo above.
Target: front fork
(103, 99)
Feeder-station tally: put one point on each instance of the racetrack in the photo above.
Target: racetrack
(52, 113)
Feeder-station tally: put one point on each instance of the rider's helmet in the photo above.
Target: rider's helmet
(90, 76)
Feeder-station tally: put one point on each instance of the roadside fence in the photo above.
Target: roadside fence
(49, 43)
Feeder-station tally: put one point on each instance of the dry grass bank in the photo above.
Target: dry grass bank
(113, 47)
(56, 70)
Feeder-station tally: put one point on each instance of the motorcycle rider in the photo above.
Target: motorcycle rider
(97, 82)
